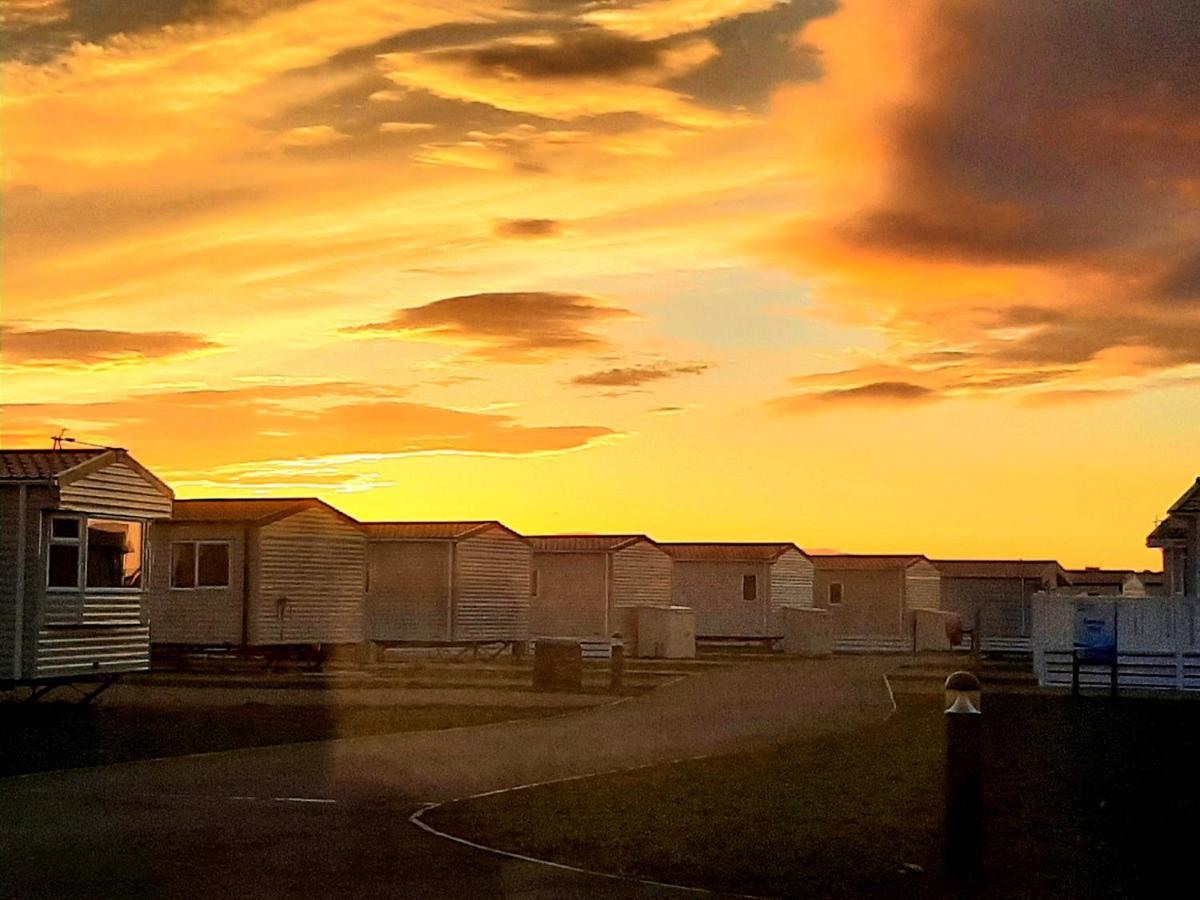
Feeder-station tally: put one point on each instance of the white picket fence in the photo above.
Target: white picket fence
(1158, 643)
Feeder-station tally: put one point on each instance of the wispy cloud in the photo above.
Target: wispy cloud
(873, 394)
(86, 347)
(527, 228)
(523, 327)
(201, 430)
(636, 376)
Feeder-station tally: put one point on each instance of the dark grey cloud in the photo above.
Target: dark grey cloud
(34, 33)
(586, 53)
(757, 54)
(1047, 131)
(1182, 282)
(1163, 341)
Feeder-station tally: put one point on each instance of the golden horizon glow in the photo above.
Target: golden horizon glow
(845, 275)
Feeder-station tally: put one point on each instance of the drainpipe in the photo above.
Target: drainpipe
(245, 586)
(450, 589)
(19, 625)
(608, 597)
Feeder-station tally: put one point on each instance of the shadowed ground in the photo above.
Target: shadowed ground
(1082, 798)
(312, 819)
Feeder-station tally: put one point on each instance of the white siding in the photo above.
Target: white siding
(11, 570)
(408, 597)
(83, 650)
(713, 590)
(872, 601)
(74, 632)
(308, 573)
(791, 584)
(202, 616)
(922, 587)
(117, 489)
(641, 576)
(572, 595)
(491, 587)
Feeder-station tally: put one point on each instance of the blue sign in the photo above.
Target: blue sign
(1096, 631)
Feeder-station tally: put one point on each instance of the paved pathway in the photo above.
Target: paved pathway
(330, 818)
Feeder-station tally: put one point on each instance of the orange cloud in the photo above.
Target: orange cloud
(199, 431)
(527, 228)
(85, 347)
(636, 376)
(564, 78)
(876, 393)
(523, 327)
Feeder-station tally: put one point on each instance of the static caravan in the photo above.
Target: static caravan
(588, 585)
(437, 582)
(996, 596)
(1178, 536)
(73, 562)
(737, 589)
(1096, 582)
(870, 596)
(257, 573)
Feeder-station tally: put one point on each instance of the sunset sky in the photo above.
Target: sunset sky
(875, 276)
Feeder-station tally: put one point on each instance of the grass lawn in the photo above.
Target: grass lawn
(1081, 798)
(39, 737)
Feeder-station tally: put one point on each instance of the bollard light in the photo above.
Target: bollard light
(964, 803)
(964, 695)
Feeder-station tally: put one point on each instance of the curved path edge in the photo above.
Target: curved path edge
(418, 819)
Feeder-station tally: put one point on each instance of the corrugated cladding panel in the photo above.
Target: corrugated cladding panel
(208, 616)
(641, 576)
(310, 569)
(966, 595)
(714, 591)
(791, 582)
(922, 586)
(40, 500)
(872, 600)
(81, 650)
(117, 489)
(492, 587)
(9, 566)
(408, 596)
(571, 599)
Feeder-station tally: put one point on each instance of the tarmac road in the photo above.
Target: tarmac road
(331, 818)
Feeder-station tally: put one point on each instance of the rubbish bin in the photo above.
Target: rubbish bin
(558, 665)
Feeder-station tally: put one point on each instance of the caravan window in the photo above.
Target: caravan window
(749, 587)
(200, 564)
(64, 553)
(114, 554)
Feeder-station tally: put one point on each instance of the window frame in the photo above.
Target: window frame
(196, 585)
(841, 593)
(534, 583)
(750, 588)
(81, 542)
